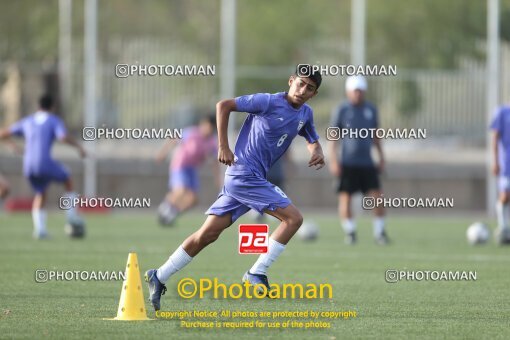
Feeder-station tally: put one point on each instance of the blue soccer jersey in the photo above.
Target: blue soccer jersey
(40, 131)
(268, 131)
(501, 124)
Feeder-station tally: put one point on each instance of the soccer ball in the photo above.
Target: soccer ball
(75, 227)
(309, 231)
(477, 233)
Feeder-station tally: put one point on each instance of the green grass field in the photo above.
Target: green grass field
(409, 309)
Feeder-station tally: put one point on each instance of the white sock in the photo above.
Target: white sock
(178, 260)
(72, 212)
(349, 225)
(378, 226)
(39, 219)
(502, 212)
(262, 264)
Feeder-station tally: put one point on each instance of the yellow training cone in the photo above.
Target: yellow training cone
(131, 304)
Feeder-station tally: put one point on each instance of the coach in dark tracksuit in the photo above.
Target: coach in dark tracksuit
(354, 166)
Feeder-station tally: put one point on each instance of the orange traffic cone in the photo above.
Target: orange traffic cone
(131, 304)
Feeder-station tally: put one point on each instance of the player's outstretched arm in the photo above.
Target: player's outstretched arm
(71, 141)
(223, 109)
(378, 146)
(495, 157)
(334, 164)
(6, 135)
(317, 158)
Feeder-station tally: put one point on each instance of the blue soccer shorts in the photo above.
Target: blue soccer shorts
(184, 178)
(241, 193)
(55, 172)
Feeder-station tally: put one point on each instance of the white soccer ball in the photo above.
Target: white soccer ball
(477, 233)
(75, 227)
(309, 231)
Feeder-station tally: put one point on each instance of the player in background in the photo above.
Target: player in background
(197, 143)
(273, 121)
(40, 130)
(501, 167)
(353, 166)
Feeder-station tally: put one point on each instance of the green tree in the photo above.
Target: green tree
(424, 34)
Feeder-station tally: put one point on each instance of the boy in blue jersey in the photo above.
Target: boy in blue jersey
(272, 123)
(355, 168)
(40, 130)
(501, 167)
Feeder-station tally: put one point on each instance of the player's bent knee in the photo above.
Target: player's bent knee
(295, 221)
(299, 220)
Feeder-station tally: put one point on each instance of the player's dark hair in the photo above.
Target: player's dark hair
(312, 74)
(46, 102)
